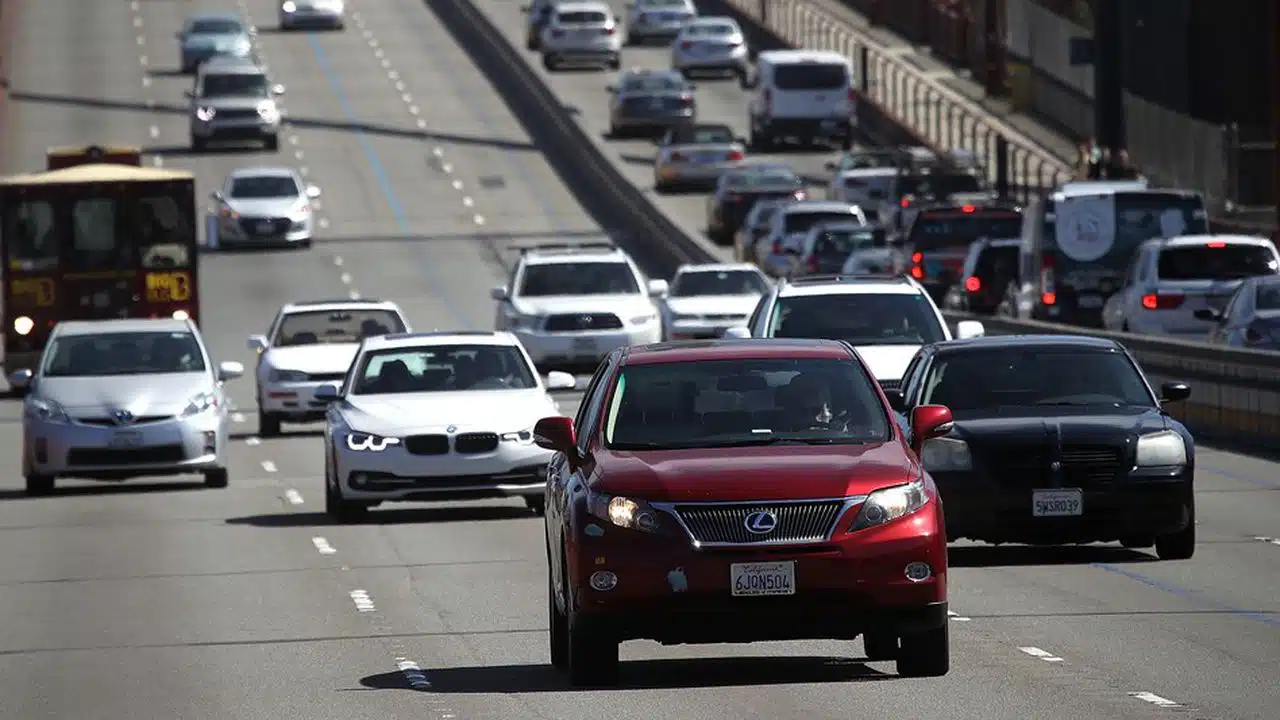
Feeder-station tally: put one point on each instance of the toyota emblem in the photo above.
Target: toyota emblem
(586, 319)
(760, 522)
(122, 417)
(451, 429)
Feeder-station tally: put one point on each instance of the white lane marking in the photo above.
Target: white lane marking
(415, 677)
(293, 497)
(158, 161)
(154, 132)
(345, 278)
(299, 155)
(141, 41)
(253, 440)
(1154, 699)
(393, 74)
(413, 110)
(386, 63)
(137, 21)
(400, 85)
(421, 123)
(146, 81)
(142, 60)
(1269, 540)
(457, 184)
(324, 222)
(467, 201)
(447, 168)
(1044, 655)
(269, 466)
(304, 170)
(293, 139)
(957, 617)
(133, 5)
(407, 98)
(478, 219)
(237, 417)
(437, 151)
(337, 260)
(363, 602)
(323, 546)
(354, 294)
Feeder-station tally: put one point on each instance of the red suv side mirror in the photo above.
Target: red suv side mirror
(556, 433)
(928, 422)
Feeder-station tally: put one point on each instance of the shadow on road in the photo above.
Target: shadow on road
(481, 513)
(124, 488)
(975, 556)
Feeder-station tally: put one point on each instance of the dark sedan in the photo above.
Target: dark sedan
(740, 188)
(647, 101)
(1057, 440)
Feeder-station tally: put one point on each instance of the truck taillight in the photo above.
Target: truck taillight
(973, 284)
(735, 156)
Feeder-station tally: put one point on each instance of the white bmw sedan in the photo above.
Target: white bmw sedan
(436, 416)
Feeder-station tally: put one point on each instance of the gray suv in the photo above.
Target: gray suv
(234, 100)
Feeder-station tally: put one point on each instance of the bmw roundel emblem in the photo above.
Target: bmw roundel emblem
(760, 522)
(451, 429)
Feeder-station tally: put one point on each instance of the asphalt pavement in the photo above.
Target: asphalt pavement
(164, 599)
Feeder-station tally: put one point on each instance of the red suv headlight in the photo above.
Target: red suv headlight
(888, 504)
(623, 512)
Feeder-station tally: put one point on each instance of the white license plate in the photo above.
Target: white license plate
(1057, 503)
(767, 578)
(1089, 301)
(264, 227)
(126, 439)
(584, 345)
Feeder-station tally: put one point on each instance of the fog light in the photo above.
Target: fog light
(23, 325)
(603, 580)
(919, 572)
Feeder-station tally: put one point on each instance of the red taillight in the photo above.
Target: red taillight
(686, 100)
(966, 208)
(1048, 298)
(917, 272)
(972, 284)
(1216, 244)
(1162, 302)
(686, 44)
(917, 257)
(905, 202)
(609, 31)
(735, 156)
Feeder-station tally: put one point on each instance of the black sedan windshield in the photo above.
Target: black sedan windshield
(728, 403)
(986, 379)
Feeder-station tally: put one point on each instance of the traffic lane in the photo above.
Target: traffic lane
(584, 94)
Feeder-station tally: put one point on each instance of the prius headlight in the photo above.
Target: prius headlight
(946, 455)
(45, 410)
(200, 403)
(1162, 449)
(286, 376)
(368, 442)
(889, 504)
(523, 437)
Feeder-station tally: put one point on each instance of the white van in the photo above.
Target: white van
(807, 95)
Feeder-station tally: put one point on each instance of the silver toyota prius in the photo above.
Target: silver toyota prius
(119, 399)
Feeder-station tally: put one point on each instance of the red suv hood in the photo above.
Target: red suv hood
(754, 473)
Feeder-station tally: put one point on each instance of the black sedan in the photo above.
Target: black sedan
(740, 188)
(1057, 440)
(650, 101)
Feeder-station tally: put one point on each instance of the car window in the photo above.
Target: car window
(587, 422)
(123, 353)
(780, 179)
(234, 85)
(443, 368)
(702, 135)
(859, 319)
(318, 327)
(652, 84)
(843, 242)
(981, 381)
(727, 403)
(718, 282)
(810, 76)
(943, 229)
(710, 30)
(1210, 262)
(799, 222)
(580, 278)
(1267, 297)
(264, 186)
(581, 17)
(220, 26)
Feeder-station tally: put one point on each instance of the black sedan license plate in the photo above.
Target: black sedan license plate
(1057, 503)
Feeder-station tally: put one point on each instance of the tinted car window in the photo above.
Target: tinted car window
(798, 222)
(936, 185)
(702, 134)
(843, 242)
(773, 178)
(266, 186)
(981, 381)
(725, 403)
(133, 353)
(581, 18)
(443, 368)
(312, 327)
(234, 85)
(1268, 297)
(947, 229)
(1216, 263)
(585, 278)
(858, 318)
(710, 30)
(653, 84)
(215, 27)
(810, 76)
(720, 282)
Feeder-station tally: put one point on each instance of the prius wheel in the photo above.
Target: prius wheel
(268, 425)
(40, 484)
(340, 509)
(558, 636)
(926, 654)
(879, 645)
(1180, 545)
(593, 653)
(216, 478)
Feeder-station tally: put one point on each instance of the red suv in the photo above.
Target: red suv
(740, 491)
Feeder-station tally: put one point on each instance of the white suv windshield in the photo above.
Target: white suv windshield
(584, 278)
(859, 319)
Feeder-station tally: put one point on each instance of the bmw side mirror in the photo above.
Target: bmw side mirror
(229, 371)
(658, 288)
(557, 380)
(257, 343)
(21, 379)
(1174, 391)
(326, 393)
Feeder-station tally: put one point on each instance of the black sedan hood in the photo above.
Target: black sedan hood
(1085, 425)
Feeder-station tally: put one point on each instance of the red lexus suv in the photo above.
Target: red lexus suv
(739, 491)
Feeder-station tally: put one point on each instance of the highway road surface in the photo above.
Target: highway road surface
(167, 600)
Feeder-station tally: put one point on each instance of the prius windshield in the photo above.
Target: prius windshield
(123, 353)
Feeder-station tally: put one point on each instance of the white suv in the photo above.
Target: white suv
(581, 33)
(886, 319)
(571, 304)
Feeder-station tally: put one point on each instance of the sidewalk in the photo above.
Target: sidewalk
(910, 97)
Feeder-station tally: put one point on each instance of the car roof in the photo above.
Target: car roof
(338, 304)
(583, 7)
(735, 349)
(1024, 342)
(786, 57)
(718, 267)
(442, 337)
(712, 20)
(881, 171)
(102, 327)
(238, 66)
(807, 206)
(818, 285)
(1196, 240)
(565, 253)
(263, 171)
(215, 15)
(642, 73)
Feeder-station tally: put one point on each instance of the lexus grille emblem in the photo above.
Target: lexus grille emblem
(760, 522)
(1055, 466)
(122, 417)
(451, 429)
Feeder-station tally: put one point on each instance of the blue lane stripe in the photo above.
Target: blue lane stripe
(1192, 595)
(379, 172)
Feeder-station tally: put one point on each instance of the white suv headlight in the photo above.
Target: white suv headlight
(946, 455)
(888, 504)
(200, 403)
(1161, 449)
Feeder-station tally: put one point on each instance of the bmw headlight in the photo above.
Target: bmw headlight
(524, 437)
(200, 403)
(623, 512)
(946, 455)
(45, 410)
(889, 504)
(205, 113)
(368, 442)
(642, 319)
(1162, 449)
(286, 376)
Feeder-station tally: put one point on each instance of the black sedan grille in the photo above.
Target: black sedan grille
(475, 443)
(236, 114)
(108, 457)
(797, 522)
(582, 322)
(272, 226)
(427, 444)
(1082, 465)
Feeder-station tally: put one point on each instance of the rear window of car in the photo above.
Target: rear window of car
(653, 83)
(948, 229)
(765, 179)
(798, 222)
(703, 134)
(740, 403)
(710, 30)
(939, 185)
(859, 318)
(581, 17)
(1204, 262)
(810, 76)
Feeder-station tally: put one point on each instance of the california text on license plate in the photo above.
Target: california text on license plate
(126, 438)
(766, 578)
(1057, 503)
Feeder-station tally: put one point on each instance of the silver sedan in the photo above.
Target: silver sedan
(312, 13)
(711, 45)
(696, 156)
(264, 206)
(118, 399)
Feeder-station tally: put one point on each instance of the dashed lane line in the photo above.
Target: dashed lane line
(1039, 654)
(323, 546)
(363, 602)
(253, 440)
(269, 466)
(1152, 698)
(293, 497)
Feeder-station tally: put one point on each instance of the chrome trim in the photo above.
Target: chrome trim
(846, 503)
